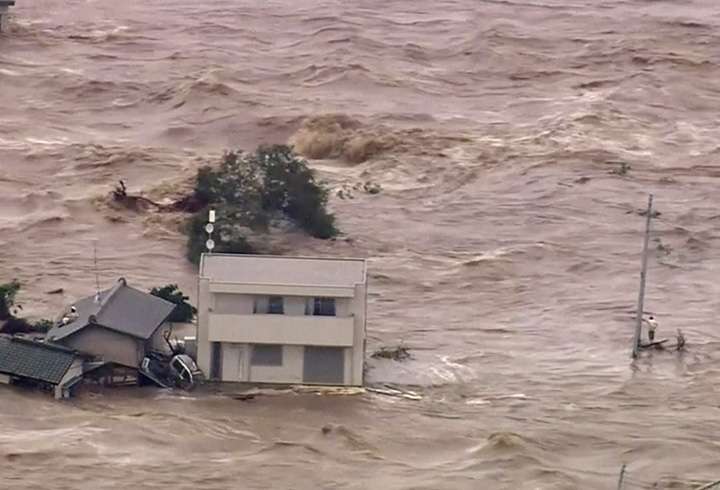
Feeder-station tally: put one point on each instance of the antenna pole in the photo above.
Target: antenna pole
(97, 274)
(643, 275)
(209, 228)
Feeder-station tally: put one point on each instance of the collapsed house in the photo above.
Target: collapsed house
(48, 366)
(117, 336)
(120, 325)
(127, 331)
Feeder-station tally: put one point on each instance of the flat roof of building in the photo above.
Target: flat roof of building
(283, 270)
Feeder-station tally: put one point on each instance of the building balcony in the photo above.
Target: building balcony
(282, 329)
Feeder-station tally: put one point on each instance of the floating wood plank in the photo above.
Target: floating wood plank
(715, 484)
(656, 343)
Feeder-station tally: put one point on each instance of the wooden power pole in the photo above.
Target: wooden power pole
(643, 276)
(621, 481)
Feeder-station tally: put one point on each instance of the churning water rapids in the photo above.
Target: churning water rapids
(504, 248)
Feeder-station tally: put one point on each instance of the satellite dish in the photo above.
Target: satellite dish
(210, 244)
(209, 228)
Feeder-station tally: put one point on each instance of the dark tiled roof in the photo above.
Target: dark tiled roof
(123, 309)
(34, 360)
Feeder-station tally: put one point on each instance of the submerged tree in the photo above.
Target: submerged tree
(9, 322)
(249, 190)
(184, 311)
(8, 291)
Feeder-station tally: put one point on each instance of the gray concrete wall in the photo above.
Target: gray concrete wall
(111, 346)
(290, 372)
(203, 314)
(295, 305)
(233, 304)
(235, 362)
(354, 369)
(236, 354)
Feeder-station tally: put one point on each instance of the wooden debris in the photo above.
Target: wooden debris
(399, 353)
(186, 204)
(390, 391)
(715, 484)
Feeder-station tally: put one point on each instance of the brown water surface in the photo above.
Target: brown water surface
(503, 249)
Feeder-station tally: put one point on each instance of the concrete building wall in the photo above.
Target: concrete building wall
(355, 369)
(295, 305)
(237, 366)
(226, 315)
(343, 306)
(233, 304)
(203, 343)
(111, 346)
(282, 329)
(290, 372)
(234, 362)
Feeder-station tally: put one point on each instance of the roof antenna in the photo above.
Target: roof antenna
(97, 274)
(209, 228)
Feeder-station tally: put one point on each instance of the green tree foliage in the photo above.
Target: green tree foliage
(229, 235)
(43, 325)
(249, 190)
(184, 311)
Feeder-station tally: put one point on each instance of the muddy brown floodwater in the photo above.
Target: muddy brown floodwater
(504, 247)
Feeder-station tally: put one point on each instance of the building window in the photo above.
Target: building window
(260, 305)
(324, 307)
(275, 305)
(267, 355)
(272, 305)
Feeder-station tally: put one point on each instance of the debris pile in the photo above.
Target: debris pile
(399, 353)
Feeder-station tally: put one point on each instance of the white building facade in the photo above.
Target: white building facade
(288, 320)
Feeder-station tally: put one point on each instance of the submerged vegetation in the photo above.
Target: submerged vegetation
(399, 353)
(248, 191)
(184, 311)
(10, 323)
(8, 292)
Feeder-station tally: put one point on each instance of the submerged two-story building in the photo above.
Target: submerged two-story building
(289, 320)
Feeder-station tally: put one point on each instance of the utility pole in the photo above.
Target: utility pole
(643, 276)
(622, 478)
